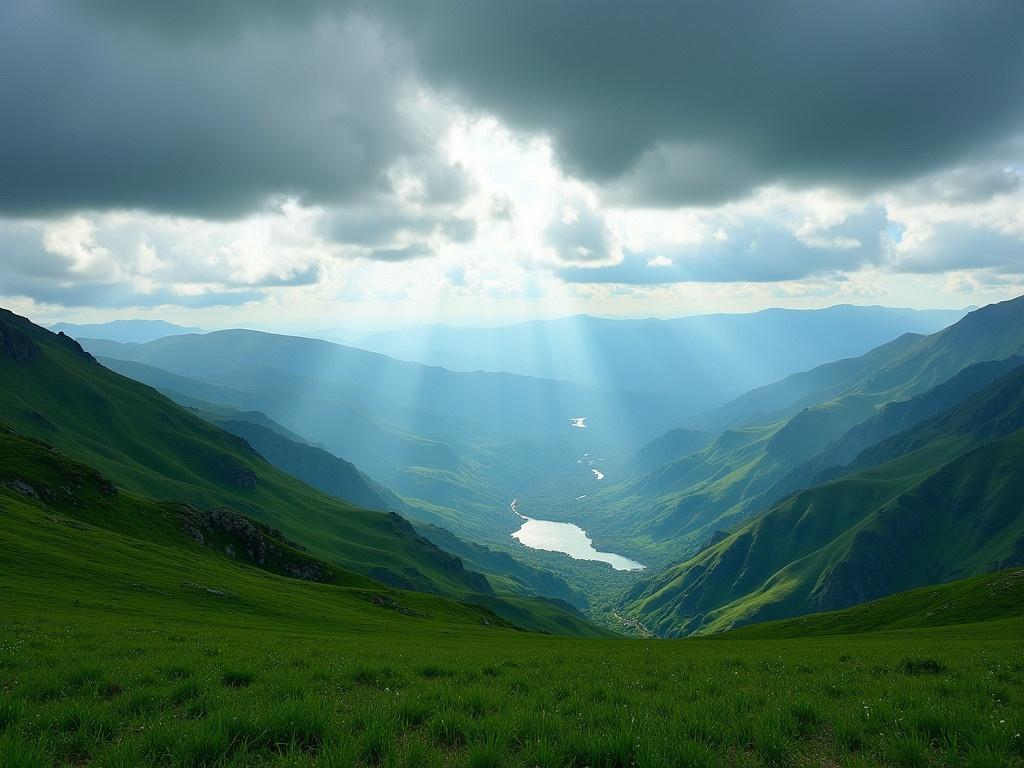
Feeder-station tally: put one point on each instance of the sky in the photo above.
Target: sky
(318, 164)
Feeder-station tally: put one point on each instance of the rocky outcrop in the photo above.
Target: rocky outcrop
(386, 601)
(241, 538)
(73, 346)
(68, 493)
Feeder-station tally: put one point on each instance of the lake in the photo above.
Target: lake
(571, 540)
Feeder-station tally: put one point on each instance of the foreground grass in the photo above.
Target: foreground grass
(119, 651)
(85, 687)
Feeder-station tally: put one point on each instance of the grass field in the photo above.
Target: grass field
(85, 686)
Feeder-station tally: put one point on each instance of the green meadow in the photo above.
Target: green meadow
(88, 687)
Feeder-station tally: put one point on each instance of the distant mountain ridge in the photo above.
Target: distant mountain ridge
(897, 417)
(711, 356)
(133, 331)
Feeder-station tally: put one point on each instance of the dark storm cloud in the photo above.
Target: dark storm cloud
(756, 251)
(212, 107)
(740, 93)
(100, 115)
(700, 101)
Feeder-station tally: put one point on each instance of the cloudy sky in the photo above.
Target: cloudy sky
(314, 163)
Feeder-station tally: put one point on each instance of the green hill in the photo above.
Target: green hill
(70, 532)
(989, 597)
(944, 506)
(148, 631)
(310, 464)
(895, 418)
(145, 443)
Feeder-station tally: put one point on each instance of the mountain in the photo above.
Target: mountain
(428, 400)
(908, 365)
(783, 398)
(681, 504)
(705, 356)
(142, 441)
(935, 503)
(72, 537)
(892, 420)
(145, 649)
(134, 331)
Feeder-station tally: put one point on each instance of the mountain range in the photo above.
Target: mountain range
(843, 483)
(773, 439)
(129, 331)
(707, 357)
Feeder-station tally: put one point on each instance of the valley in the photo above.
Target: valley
(619, 500)
(478, 527)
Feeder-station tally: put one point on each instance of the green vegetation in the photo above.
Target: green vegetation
(977, 599)
(148, 445)
(944, 505)
(126, 642)
(116, 655)
(171, 599)
(767, 437)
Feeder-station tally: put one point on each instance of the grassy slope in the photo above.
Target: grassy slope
(64, 521)
(310, 464)
(894, 419)
(989, 597)
(923, 518)
(505, 572)
(147, 444)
